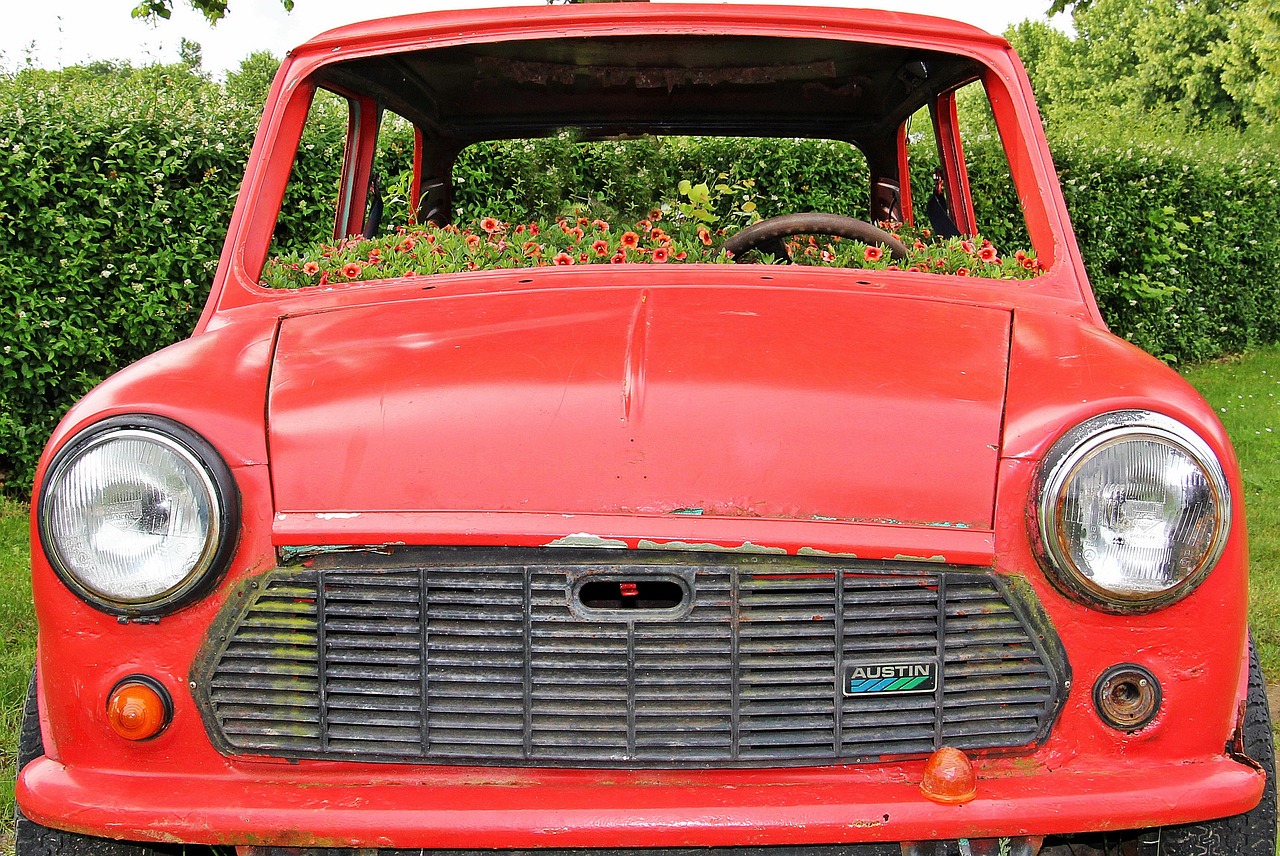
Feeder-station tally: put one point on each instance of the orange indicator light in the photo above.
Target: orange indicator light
(949, 777)
(138, 709)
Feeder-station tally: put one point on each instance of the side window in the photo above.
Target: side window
(352, 175)
(309, 211)
(960, 178)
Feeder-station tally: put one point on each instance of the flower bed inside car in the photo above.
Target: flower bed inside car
(489, 243)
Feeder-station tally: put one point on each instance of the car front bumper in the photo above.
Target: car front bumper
(337, 805)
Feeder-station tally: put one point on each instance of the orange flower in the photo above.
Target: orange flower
(988, 254)
(490, 225)
(618, 258)
(311, 268)
(660, 255)
(473, 241)
(872, 254)
(406, 246)
(630, 239)
(601, 225)
(704, 236)
(962, 271)
(644, 225)
(562, 259)
(600, 248)
(531, 248)
(351, 270)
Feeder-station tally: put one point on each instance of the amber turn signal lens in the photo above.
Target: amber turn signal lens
(949, 777)
(138, 709)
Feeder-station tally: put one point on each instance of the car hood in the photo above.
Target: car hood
(766, 402)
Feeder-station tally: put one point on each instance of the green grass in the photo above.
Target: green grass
(1244, 390)
(17, 648)
(1246, 393)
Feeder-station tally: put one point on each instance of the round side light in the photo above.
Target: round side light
(139, 708)
(1127, 697)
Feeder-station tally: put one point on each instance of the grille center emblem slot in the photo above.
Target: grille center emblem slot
(613, 596)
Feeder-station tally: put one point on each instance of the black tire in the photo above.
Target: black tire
(32, 839)
(1254, 832)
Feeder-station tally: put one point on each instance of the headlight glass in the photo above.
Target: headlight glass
(133, 518)
(1134, 510)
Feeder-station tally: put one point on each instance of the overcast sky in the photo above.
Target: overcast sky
(56, 33)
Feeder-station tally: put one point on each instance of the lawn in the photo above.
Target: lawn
(1245, 391)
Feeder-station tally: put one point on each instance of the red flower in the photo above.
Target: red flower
(704, 236)
(601, 225)
(988, 254)
(520, 229)
(1028, 263)
(324, 278)
(534, 229)
(967, 246)
(490, 225)
(584, 258)
(644, 225)
(680, 256)
(406, 245)
(562, 259)
(918, 244)
(872, 254)
(473, 241)
(630, 239)
(962, 271)
(655, 214)
(660, 255)
(600, 248)
(531, 248)
(619, 257)
(351, 270)
(828, 256)
(311, 268)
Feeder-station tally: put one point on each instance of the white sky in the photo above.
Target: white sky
(56, 33)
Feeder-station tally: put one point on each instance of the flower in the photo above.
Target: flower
(872, 254)
(311, 268)
(962, 271)
(644, 225)
(531, 248)
(600, 248)
(351, 270)
(704, 236)
(600, 225)
(490, 225)
(473, 241)
(406, 246)
(828, 256)
(660, 255)
(562, 258)
(655, 214)
(988, 254)
(619, 257)
(967, 246)
(630, 239)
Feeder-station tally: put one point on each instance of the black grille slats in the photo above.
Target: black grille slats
(458, 656)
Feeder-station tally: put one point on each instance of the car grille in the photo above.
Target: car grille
(464, 656)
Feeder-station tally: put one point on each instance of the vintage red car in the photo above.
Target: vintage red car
(469, 540)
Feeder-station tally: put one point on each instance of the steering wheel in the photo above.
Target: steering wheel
(767, 235)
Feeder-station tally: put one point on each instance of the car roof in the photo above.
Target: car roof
(614, 69)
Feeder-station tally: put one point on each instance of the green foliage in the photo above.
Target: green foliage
(213, 10)
(119, 183)
(1210, 62)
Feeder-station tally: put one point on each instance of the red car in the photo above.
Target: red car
(616, 532)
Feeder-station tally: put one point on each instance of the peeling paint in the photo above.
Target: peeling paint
(814, 551)
(692, 511)
(290, 553)
(744, 547)
(338, 515)
(903, 558)
(586, 539)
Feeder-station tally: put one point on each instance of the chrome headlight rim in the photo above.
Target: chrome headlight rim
(1077, 446)
(212, 471)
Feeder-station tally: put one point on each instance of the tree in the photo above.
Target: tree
(214, 10)
(1207, 61)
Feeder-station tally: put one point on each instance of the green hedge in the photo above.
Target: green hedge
(118, 185)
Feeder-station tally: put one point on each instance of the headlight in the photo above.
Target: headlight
(138, 515)
(1133, 511)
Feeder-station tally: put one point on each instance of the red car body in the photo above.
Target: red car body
(870, 419)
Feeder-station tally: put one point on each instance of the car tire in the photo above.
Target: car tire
(1254, 832)
(32, 839)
